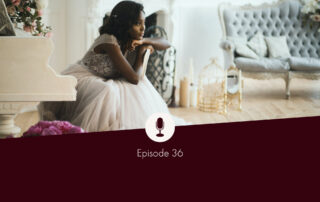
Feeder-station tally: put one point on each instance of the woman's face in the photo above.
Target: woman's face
(137, 30)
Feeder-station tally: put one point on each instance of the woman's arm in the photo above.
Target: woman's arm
(158, 43)
(140, 56)
(118, 59)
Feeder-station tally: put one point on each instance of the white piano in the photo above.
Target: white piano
(26, 79)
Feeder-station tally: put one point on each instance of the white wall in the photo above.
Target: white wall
(196, 28)
(197, 32)
(55, 16)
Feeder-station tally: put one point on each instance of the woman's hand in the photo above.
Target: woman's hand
(134, 44)
(143, 49)
(158, 43)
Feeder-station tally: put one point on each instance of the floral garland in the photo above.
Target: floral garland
(27, 14)
(311, 10)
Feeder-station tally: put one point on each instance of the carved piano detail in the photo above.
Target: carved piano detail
(26, 78)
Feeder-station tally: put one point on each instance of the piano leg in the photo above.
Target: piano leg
(7, 127)
(8, 111)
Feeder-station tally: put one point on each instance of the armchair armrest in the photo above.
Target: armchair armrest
(228, 52)
(227, 45)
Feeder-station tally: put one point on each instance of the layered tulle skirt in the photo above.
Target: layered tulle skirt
(107, 104)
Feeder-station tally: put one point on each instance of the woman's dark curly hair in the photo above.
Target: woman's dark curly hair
(123, 16)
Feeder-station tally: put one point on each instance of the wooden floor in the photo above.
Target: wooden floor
(262, 100)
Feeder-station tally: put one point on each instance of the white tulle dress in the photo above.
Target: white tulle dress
(105, 101)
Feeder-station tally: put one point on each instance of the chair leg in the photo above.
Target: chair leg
(288, 80)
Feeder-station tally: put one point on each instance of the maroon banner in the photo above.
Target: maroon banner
(276, 160)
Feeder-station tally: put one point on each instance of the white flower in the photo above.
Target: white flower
(32, 11)
(315, 18)
(41, 4)
(310, 6)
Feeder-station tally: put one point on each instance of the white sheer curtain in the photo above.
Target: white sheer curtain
(94, 20)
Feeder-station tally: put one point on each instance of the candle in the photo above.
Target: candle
(184, 93)
(193, 96)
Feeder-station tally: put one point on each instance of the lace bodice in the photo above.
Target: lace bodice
(101, 64)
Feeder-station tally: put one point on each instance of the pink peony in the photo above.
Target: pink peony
(49, 35)
(40, 12)
(44, 124)
(52, 130)
(35, 130)
(62, 125)
(27, 28)
(47, 128)
(16, 2)
(76, 129)
(28, 9)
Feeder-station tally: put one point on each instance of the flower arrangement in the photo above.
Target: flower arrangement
(311, 10)
(27, 14)
(47, 128)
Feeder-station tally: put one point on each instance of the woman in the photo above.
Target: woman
(110, 95)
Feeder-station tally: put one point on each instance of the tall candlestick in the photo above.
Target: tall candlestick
(184, 92)
(193, 96)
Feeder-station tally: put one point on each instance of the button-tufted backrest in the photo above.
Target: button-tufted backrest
(282, 18)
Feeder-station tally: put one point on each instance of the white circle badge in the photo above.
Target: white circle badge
(160, 127)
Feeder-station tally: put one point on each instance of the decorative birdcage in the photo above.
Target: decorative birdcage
(212, 91)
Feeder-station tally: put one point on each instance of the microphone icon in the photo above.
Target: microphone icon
(160, 126)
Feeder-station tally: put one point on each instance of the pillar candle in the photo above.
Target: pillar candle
(193, 96)
(184, 92)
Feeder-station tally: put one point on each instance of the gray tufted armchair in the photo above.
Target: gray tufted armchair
(279, 19)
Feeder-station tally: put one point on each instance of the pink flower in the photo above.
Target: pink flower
(52, 130)
(33, 130)
(27, 28)
(16, 2)
(62, 125)
(28, 9)
(44, 124)
(40, 12)
(76, 129)
(49, 34)
(46, 128)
